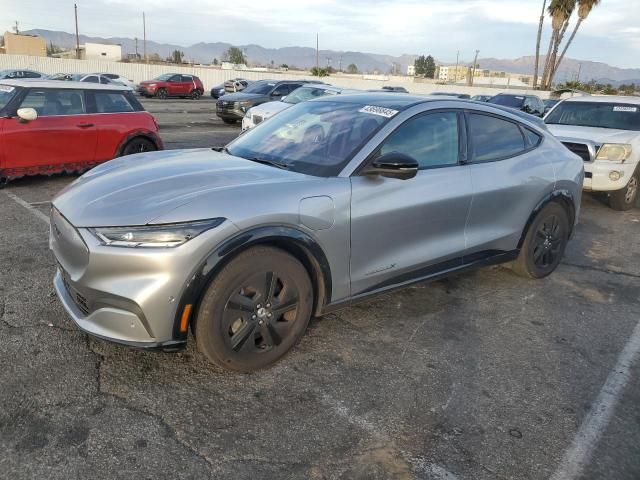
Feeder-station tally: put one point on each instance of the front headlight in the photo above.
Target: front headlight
(154, 236)
(614, 152)
(245, 105)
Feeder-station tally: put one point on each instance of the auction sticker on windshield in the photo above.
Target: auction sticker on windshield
(381, 111)
(625, 109)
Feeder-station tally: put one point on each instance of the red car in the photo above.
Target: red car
(172, 85)
(48, 126)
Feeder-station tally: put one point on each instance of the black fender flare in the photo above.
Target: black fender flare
(149, 135)
(563, 196)
(291, 239)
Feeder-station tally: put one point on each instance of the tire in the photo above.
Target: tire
(162, 94)
(3, 182)
(544, 245)
(239, 324)
(626, 198)
(229, 121)
(138, 145)
(196, 94)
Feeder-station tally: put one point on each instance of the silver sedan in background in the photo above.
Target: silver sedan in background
(331, 201)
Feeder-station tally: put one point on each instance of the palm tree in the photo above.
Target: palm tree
(560, 11)
(535, 72)
(584, 9)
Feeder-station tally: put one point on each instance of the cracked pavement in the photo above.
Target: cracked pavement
(480, 376)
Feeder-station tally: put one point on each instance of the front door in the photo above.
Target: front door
(63, 132)
(406, 229)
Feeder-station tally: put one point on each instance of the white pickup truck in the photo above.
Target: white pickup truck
(605, 132)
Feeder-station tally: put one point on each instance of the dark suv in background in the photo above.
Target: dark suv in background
(231, 107)
(527, 103)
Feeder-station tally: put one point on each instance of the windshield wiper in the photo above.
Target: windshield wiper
(272, 163)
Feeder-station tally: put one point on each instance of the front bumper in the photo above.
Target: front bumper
(598, 175)
(127, 295)
(147, 91)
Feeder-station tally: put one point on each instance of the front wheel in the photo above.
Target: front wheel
(162, 94)
(626, 198)
(544, 245)
(255, 310)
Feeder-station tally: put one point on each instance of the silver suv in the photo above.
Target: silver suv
(329, 202)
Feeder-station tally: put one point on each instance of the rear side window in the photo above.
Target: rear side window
(533, 139)
(431, 139)
(112, 102)
(493, 138)
(52, 102)
(187, 78)
(92, 79)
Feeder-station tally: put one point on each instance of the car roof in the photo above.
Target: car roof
(604, 99)
(37, 83)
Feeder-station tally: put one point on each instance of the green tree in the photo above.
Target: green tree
(235, 55)
(560, 11)
(429, 67)
(319, 72)
(419, 65)
(215, 61)
(284, 66)
(53, 49)
(177, 56)
(352, 68)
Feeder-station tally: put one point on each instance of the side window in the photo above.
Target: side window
(50, 102)
(104, 80)
(112, 102)
(187, 78)
(493, 138)
(31, 75)
(533, 139)
(282, 89)
(92, 79)
(431, 139)
(176, 78)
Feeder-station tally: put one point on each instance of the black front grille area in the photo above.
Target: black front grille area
(579, 149)
(79, 300)
(223, 105)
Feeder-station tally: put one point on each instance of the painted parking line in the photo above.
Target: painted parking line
(579, 454)
(28, 206)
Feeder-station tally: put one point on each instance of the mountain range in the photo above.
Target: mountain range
(305, 57)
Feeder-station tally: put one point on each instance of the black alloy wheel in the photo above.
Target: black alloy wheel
(255, 310)
(162, 93)
(138, 145)
(196, 94)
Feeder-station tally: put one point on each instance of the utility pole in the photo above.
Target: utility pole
(317, 55)
(75, 9)
(144, 41)
(475, 62)
(579, 70)
(340, 68)
(457, 62)
(16, 28)
(136, 39)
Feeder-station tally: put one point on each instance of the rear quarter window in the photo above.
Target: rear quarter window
(112, 102)
(493, 138)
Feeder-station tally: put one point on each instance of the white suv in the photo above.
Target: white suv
(605, 132)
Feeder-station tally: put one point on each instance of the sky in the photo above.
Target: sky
(498, 28)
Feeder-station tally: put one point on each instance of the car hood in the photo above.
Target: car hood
(240, 96)
(593, 134)
(269, 109)
(137, 189)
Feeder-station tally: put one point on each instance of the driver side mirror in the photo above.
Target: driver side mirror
(394, 165)
(27, 114)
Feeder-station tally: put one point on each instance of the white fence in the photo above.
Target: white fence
(213, 76)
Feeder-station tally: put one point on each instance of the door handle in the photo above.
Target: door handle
(84, 125)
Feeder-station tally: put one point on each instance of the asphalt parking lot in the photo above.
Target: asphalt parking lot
(484, 375)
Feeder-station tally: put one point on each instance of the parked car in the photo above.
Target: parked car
(605, 132)
(232, 85)
(49, 126)
(549, 103)
(119, 79)
(389, 89)
(260, 113)
(19, 74)
(481, 98)
(172, 85)
(530, 104)
(464, 96)
(83, 77)
(234, 106)
(341, 198)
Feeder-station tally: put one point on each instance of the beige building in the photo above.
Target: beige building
(451, 73)
(18, 44)
(512, 78)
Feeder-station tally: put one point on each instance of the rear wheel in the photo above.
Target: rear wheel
(255, 310)
(138, 145)
(195, 94)
(626, 198)
(229, 121)
(544, 245)
(162, 93)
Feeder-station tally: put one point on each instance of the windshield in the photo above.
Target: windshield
(315, 138)
(261, 88)
(7, 92)
(619, 116)
(164, 77)
(306, 93)
(513, 101)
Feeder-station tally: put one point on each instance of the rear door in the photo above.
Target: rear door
(63, 133)
(509, 177)
(175, 86)
(402, 230)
